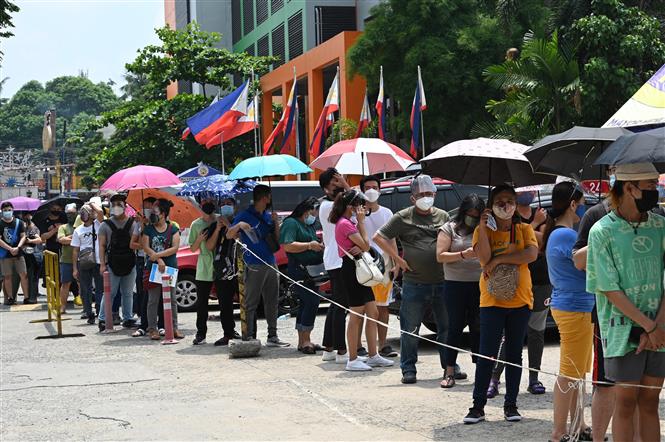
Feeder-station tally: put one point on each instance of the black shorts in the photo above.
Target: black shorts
(541, 297)
(358, 294)
(598, 359)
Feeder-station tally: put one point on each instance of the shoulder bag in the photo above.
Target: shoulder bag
(504, 280)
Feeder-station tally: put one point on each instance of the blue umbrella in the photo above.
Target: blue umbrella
(216, 186)
(201, 170)
(269, 165)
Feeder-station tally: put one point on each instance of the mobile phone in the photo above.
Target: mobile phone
(491, 223)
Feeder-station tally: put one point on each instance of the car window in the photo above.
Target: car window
(284, 199)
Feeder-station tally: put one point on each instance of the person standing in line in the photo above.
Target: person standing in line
(417, 228)
(462, 270)
(85, 242)
(361, 298)
(205, 235)
(261, 279)
(50, 225)
(504, 255)
(334, 331)
(161, 240)
(12, 239)
(65, 232)
(118, 257)
(625, 271)
(33, 255)
(571, 309)
(377, 216)
(303, 249)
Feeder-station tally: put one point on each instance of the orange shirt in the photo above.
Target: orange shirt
(500, 244)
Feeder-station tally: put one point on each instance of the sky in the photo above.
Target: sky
(62, 37)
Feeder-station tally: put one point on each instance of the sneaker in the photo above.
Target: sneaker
(222, 341)
(162, 332)
(128, 323)
(379, 361)
(274, 341)
(459, 374)
(409, 378)
(84, 316)
(388, 352)
(91, 320)
(199, 340)
(116, 319)
(493, 389)
(78, 301)
(357, 365)
(29, 301)
(341, 359)
(236, 335)
(101, 325)
(511, 414)
(329, 356)
(362, 351)
(474, 416)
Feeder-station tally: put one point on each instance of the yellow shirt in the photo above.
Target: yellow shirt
(500, 244)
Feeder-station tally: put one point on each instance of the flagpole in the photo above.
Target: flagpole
(221, 136)
(256, 140)
(422, 128)
(339, 101)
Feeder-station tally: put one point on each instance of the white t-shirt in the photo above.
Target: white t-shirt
(331, 259)
(375, 221)
(82, 238)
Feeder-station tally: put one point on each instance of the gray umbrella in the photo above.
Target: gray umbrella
(644, 147)
(573, 152)
(483, 161)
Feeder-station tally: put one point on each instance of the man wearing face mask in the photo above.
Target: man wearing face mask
(49, 227)
(65, 233)
(118, 256)
(141, 297)
(12, 239)
(86, 270)
(205, 234)
(417, 229)
(261, 279)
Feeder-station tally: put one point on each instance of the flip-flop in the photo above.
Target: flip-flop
(448, 381)
(309, 350)
(138, 333)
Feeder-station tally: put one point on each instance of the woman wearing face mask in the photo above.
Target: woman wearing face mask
(625, 272)
(571, 307)
(303, 248)
(361, 299)
(462, 270)
(161, 241)
(512, 246)
(33, 252)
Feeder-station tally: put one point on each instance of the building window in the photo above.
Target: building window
(263, 46)
(295, 35)
(278, 47)
(248, 16)
(276, 5)
(261, 11)
(331, 20)
(236, 19)
(250, 50)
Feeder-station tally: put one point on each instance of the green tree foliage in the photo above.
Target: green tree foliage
(7, 8)
(541, 91)
(148, 127)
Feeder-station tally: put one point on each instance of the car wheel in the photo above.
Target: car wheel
(288, 301)
(186, 294)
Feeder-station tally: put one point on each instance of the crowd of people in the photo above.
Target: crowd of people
(497, 267)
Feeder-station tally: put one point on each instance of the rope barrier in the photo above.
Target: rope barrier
(426, 339)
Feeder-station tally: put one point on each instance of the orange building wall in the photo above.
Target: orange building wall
(169, 19)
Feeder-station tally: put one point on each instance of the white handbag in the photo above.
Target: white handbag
(368, 271)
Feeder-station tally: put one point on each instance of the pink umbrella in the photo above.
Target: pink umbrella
(361, 156)
(24, 204)
(140, 177)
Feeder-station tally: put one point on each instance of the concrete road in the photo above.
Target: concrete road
(115, 387)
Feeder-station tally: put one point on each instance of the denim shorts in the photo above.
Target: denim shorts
(66, 271)
(631, 367)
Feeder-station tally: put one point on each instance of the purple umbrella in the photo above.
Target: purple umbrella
(24, 204)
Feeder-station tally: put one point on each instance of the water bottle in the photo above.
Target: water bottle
(284, 317)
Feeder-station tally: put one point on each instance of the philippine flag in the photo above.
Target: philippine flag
(419, 105)
(380, 110)
(243, 125)
(285, 126)
(325, 119)
(365, 118)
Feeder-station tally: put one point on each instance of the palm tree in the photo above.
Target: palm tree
(3, 101)
(541, 91)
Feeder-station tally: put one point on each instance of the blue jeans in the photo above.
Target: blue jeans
(86, 280)
(124, 286)
(493, 322)
(309, 302)
(415, 298)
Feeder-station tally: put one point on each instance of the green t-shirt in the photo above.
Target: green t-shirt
(292, 230)
(65, 251)
(418, 233)
(620, 259)
(204, 268)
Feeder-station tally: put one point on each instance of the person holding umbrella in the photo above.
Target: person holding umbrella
(625, 271)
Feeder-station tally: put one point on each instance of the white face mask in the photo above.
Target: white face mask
(425, 203)
(147, 212)
(372, 195)
(117, 210)
(505, 212)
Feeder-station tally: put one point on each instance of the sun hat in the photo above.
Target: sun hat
(635, 172)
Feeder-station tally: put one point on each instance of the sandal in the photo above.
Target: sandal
(587, 435)
(138, 333)
(448, 381)
(308, 350)
(564, 438)
(536, 388)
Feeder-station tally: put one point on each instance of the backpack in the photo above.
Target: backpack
(121, 258)
(225, 257)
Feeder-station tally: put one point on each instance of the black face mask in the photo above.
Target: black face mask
(154, 218)
(648, 201)
(71, 218)
(208, 208)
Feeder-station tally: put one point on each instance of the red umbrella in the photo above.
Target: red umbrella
(140, 177)
(361, 156)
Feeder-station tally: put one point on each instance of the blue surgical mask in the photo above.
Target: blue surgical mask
(226, 210)
(524, 198)
(613, 179)
(309, 220)
(580, 211)
(7, 214)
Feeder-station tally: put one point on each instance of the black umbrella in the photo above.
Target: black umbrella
(644, 147)
(572, 153)
(61, 201)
